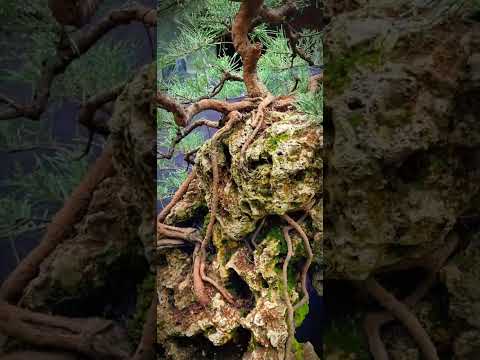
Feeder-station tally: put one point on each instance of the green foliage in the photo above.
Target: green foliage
(197, 31)
(300, 314)
(311, 104)
(53, 178)
(30, 35)
(109, 63)
(297, 349)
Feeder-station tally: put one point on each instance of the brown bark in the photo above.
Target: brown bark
(199, 286)
(286, 295)
(61, 224)
(90, 337)
(308, 262)
(177, 197)
(249, 52)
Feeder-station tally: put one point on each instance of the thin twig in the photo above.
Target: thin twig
(60, 61)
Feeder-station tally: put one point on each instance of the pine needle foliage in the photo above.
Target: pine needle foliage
(199, 42)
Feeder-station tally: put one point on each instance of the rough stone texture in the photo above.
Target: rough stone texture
(82, 264)
(281, 172)
(461, 278)
(403, 163)
(402, 156)
(133, 135)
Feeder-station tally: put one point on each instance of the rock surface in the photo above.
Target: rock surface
(280, 173)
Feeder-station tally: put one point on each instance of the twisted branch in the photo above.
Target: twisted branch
(250, 53)
(63, 57)
(62, 222)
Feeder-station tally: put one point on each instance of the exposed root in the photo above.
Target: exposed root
(89, 337)
(172, 232)
(405, 316)
(374, 322)
(308, 262)
(314, 83)
(257, 231)
(201, 255)
(177, 197)
(212, 282)
(62, 222)
(258, 122)
(171, 243)
(286, 295)
(198, 285)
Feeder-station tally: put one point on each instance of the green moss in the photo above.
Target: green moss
(300, 314)
(273, 142)
(346, 335)
(337, 71)
(356, 119)
(145, 293)
(297, 350)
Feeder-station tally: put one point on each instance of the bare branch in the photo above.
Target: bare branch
(216, 90)
(183, 134)
(249, 52)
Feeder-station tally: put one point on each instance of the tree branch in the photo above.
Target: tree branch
(63, 57)
(249, 52)
(62, 222)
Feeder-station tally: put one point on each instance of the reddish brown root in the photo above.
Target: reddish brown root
(308, 262)
(258, 122)
(201, 255)
(224, 292)
(171, 232)
(198, 284)
(177, 197)
(286, 295)
(62, 222)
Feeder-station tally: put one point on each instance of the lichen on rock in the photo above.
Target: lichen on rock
(279, 173)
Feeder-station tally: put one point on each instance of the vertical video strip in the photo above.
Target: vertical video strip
(402, 180)
(77, 189)
(239, 180)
